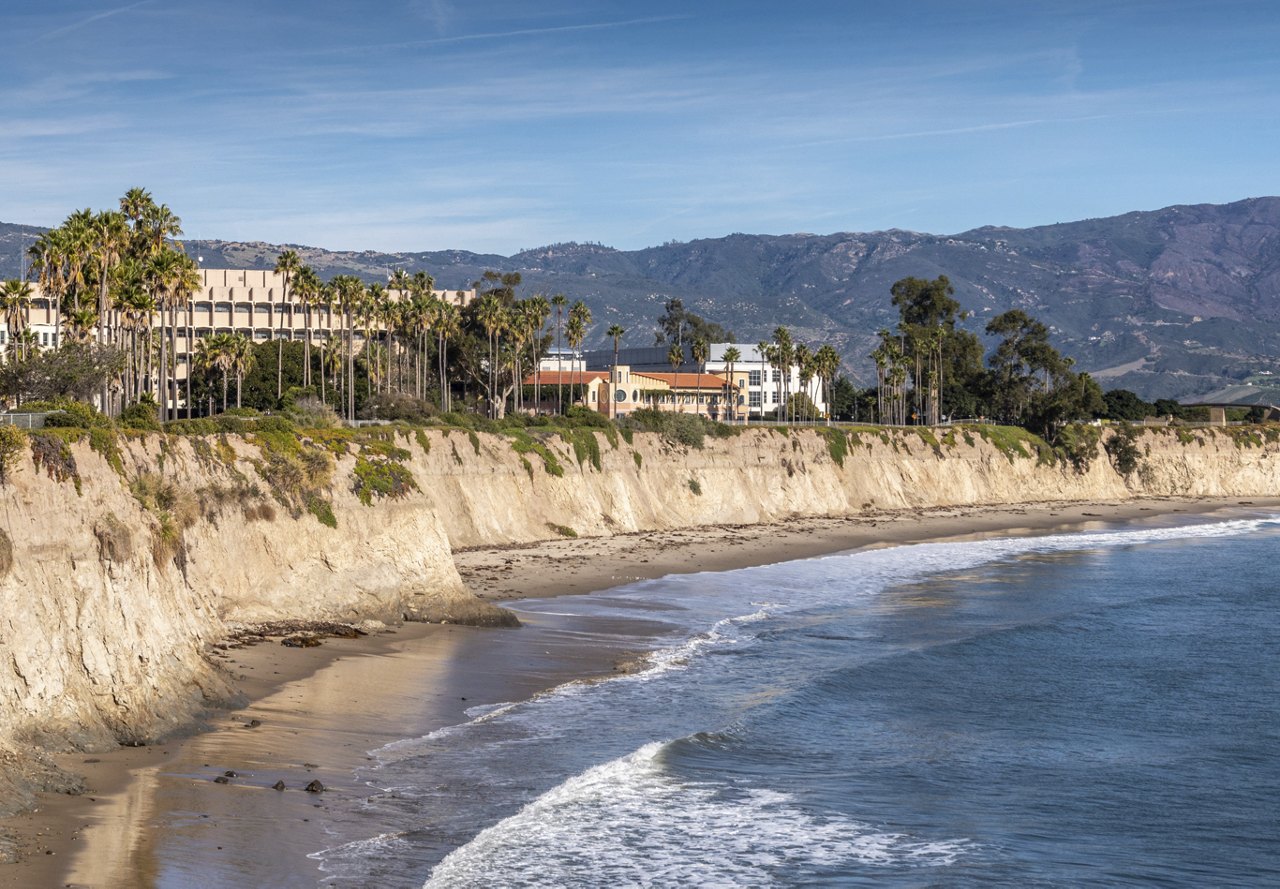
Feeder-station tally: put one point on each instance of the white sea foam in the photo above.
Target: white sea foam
(627, 822)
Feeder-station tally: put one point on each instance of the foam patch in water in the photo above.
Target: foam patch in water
(627, 822)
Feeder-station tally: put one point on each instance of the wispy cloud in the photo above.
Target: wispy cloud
(502, 35)
(75, 26)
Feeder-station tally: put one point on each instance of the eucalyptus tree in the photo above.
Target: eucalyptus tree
(288, 264)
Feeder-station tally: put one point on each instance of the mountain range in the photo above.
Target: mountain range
(1169, 303)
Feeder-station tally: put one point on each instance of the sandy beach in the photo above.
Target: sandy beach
(155, 816)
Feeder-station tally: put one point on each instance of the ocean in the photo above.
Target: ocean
(1094, 708)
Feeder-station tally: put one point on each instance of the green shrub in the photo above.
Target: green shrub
(323, 511)
(141, 416)
(1078, 445)
(523, 443)
(1123, 450)
(106, 442)
(837, 443)
(53, 454)
(202, 426)
(382, 478)
(13, 442)
(562, 530)
(695, 486)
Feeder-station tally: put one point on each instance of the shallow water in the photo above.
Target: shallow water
(1092, 708)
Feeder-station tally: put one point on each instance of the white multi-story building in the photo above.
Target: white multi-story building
(760, 387)
(248, 302)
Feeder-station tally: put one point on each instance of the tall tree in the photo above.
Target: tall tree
(559, 301)
(288, 264)
(700, 352)
(732, 356)
(617, 333)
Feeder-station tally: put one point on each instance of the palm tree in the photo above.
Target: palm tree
(675, 357)
(110, 232)
(306, 288)
(15, 300)
(826, 362)
(448, 324)
(350, 293)
(186, 284)
(137, 309)
(539, 311)
(730, 357)
(288, 264)
(559, 301)
(701, 351)
(576, 330)
(240, 348)
(215, 353)
(490, 315)
(784, 355)
(765, 348)
(803, 360)
(161, 275)
(615, 331)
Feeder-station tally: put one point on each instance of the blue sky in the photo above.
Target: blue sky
(496, 126)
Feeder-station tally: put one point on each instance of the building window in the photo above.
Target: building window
(754, 377)
(755, 399)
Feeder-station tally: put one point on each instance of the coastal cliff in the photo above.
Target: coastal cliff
(129, 558)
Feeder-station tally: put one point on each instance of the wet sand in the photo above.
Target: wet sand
(154, 816)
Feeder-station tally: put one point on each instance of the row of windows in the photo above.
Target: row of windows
(43, 338)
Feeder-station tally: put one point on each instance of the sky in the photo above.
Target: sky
(501, 125)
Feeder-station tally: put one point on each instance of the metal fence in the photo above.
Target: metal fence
(26, 421)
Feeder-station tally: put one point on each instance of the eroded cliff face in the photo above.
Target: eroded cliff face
(116, 592)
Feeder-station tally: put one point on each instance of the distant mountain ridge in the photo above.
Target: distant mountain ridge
(1171, 302)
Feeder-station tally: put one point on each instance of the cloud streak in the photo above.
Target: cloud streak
(75, 26)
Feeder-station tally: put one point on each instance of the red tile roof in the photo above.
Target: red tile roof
(568, 377)
(685, 380)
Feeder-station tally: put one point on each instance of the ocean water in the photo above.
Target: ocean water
(1096, 708)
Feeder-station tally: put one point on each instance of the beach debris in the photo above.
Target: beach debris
(222, 779)
(253, 723)
(279, 785)
(300, 641)
(230, 774)
(314, 787)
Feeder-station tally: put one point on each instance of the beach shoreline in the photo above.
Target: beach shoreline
(326, 707)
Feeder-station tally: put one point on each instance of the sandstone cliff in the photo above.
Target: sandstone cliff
(129, 558)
